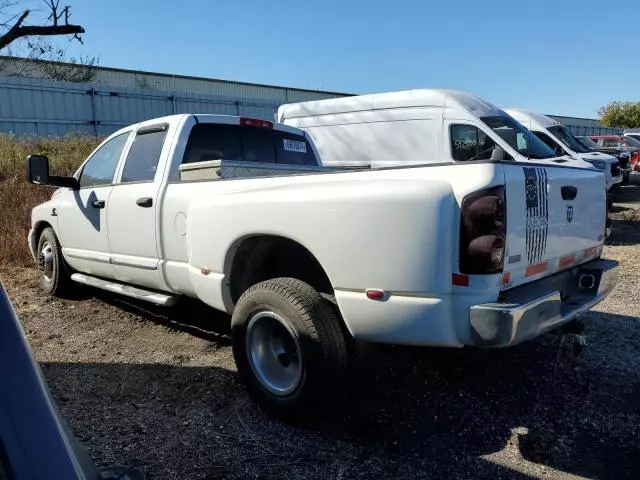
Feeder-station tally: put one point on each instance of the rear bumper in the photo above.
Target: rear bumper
(528, 311)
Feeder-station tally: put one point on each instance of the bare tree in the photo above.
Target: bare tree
(41, 57)
(58, 24)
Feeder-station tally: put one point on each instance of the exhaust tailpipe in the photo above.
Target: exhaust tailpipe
(587, 281)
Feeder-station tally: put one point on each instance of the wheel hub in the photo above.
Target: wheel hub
(45, 261)
(274, 353)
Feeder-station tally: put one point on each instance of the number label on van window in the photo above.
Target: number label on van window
(294, 146)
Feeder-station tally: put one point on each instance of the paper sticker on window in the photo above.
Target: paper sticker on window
(294, 146)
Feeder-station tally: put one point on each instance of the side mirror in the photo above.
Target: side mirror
(38, 169)
(38, 174)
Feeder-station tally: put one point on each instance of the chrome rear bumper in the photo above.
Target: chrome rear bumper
(528, 311)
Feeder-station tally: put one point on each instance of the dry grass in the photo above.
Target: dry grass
(17, 197)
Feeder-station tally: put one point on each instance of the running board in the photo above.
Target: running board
(127, 290)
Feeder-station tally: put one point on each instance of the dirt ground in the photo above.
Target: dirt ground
(158, 388)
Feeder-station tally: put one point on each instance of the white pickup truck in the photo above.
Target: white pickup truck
(480, 252)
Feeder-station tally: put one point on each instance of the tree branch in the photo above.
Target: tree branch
(19, 31)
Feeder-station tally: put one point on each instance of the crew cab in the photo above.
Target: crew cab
(307, 258)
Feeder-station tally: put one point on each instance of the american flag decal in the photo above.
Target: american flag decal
(535, 187)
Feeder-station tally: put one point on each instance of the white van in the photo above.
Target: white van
(415, 127)
(559, 138)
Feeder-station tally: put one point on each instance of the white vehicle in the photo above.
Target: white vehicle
(559, 138)
(487, 253)
(632, 132)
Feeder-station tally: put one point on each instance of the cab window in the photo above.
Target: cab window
(101, 167)
(470, 143)
(144, 155)
(213, 141)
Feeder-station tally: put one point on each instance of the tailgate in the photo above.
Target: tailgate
(555, 219)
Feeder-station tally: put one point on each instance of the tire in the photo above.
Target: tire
(307, 358)
(53, 271)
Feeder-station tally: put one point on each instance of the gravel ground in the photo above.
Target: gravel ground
(158, 388)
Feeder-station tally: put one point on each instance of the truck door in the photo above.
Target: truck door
(82, 214)
(132, 211)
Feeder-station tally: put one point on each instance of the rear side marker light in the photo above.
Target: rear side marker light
(460, 280)
(254, 122)
(535, 269)
(373, 294)
(568, 260)
(590, 252)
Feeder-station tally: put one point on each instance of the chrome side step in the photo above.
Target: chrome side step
(156, 298)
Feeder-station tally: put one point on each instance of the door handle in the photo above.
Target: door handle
(144, 202)
(569, 192)
(98, 204)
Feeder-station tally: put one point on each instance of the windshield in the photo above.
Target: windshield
(563, 134)
(518, 137)
(588, 143)
(633, 140)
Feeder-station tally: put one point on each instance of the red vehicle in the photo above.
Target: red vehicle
(621, 141)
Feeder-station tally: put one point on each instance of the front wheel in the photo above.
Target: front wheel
(53, 275)
(289, 346)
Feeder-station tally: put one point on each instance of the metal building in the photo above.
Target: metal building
(32, 104)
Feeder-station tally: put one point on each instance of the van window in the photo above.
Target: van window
(214, 141)
(470, 143)
(518, 137)
(143, 157)
(563, 134)
(548, 141)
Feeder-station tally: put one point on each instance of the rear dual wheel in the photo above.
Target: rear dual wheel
(289, 346)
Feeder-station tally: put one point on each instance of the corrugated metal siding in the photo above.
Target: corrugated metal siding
(586, 126)
(118, 98)
(45, 107)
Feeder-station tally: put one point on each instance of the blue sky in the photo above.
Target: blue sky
(560, 57)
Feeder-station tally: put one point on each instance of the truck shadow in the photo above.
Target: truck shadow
(188, 315)
(409, 412)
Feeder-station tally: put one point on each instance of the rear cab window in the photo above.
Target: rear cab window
(213, 141)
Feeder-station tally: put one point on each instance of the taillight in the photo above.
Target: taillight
(483, 231)
(254, 122)
(635, 158)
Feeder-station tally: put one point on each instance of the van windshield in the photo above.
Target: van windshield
(588, 143)
(563, 134)
(518, 137)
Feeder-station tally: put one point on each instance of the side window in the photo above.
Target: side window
(548, 141)
(465, 142)
(101, 167)
(144, 154)
(610, 142)
(293, 149)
